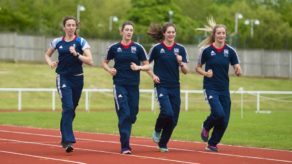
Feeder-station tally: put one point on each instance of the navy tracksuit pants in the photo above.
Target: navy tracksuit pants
(69, 89)
(127, 108)
(169, 101)
(220, 105)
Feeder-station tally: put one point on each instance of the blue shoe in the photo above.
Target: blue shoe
(163, 149)
(204, 134)
(211, 148)
(156, 137)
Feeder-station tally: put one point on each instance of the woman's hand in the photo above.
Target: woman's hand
(112, 71)
(156, 79)
(72, 50)
(237, 70)
(53, 64)
(179, 59)
(209, 73)
(135, 67)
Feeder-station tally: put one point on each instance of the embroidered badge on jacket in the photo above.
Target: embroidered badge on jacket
(226, 53)
(133, 49)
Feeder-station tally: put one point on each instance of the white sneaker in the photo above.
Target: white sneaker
(156, 137)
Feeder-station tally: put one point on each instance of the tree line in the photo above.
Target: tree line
(43, 17)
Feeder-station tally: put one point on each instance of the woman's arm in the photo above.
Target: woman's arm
(199, 69)
(153, 76)
(237, 69)
(48, 55)
(184, 68)
(144, 67)
(106, 67)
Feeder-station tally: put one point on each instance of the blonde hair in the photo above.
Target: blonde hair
(210, 28)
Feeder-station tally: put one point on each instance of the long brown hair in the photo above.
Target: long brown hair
(156, 31)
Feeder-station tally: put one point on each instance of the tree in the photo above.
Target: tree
(43, 17)
(145, 12)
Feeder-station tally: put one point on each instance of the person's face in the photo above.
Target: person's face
(169, 34)
(70, 27)
(127, 32)
(220, 35)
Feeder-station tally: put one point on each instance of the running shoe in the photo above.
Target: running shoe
(126, 152)
(211, 148)
(163, 149)
(156, 137)
(69, 148)
(204, 134)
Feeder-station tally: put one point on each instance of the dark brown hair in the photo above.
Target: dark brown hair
(156, 31)
(66, 18)
(69, 17)
(127, 23)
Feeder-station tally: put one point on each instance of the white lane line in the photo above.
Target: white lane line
(189, 150)
(40, 157)
(93, 133)
(173, 148)
(101, 151)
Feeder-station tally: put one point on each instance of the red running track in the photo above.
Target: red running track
(34, 145)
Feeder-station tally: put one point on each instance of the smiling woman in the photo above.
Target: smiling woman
(130, 58)
(216, 55)
(73, 52)
(169, 58)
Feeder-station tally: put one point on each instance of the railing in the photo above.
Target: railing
(87, 91)
(151, 91)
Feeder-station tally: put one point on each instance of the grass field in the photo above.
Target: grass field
(262, 130)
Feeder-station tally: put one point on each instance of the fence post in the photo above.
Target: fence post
(186, 100)
(290, 64)
(86, 101)
(53, 100)
(152, 101)
(19, 100)
(241, 101)
(258, 102)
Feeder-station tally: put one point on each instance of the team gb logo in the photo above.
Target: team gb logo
(176, 50)
(226, 53)
(133, 49)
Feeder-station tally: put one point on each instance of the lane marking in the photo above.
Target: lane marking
(189, 150)
(40, 157)
(92, 133)
(149, 146)
(101, 151)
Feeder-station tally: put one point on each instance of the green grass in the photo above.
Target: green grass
(33, 75)
(260, 130)
(253, 130)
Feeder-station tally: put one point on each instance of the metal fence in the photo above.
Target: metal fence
(257, 94)
(263, 63)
